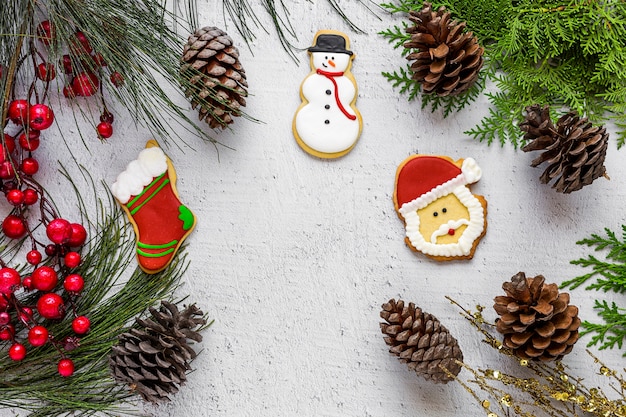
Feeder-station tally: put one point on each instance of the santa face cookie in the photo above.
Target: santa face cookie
(327, 124)
(443, 219)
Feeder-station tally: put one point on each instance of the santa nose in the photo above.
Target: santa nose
(451, 231)
(331, 63)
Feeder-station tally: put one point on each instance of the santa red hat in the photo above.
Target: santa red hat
(422, 179)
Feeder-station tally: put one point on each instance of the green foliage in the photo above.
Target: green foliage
(566, 55)
(114, 295)
(608, 275)
(245, 16)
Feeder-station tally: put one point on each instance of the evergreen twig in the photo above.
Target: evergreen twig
(608, 275)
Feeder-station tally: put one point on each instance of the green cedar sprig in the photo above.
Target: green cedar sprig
(608, 275)
(565, 55)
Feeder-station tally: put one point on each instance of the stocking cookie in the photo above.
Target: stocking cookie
(327, 124)
(146, 190)
(443, 219)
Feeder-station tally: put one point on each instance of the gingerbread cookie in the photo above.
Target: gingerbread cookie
(443, 219)
(327, 124)
(146, 190)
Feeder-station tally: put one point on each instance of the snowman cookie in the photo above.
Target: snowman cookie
(327, 124)
(443, 219)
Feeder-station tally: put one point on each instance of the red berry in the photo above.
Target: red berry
(99, 60)
(74, 283)
(117, 79)
(41, 116)
(107, 117)
(5, 318)
(29, 166)
(66, 367)
(15, 197)
(30, 196)
(25, 314)
(38, 336)
(4, 304)
(59, 231)
(68, 92)
(51, 249)
(33, 257)
(79, 235)
(66, 63)
(45, 278)
(18, 111)
(9, 143)
(46, 71)
(27, 143)
(51, 306)
(105, 130)
(72, 259)
(80, 44)
(80, 325)
(45, 31)
(17, 351)
(14, 227)
(27, 283)
(7, 170)
(85, 84)
(9, 280)
(7, 332)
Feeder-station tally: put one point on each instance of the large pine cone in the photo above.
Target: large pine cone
(419, 339)
(448, 61)
(217, 81)
(154, 357)
(574, 149)
(536, 320)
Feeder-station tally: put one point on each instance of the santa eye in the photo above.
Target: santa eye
(435, 214)
(444, 210)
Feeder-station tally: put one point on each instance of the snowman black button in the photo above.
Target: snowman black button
(327, 106)
(327, 121)
(328, 92)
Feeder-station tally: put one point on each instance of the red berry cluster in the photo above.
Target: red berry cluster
(57, 286)
(83, 69)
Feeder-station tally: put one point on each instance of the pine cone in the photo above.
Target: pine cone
(448, 61)
(419, 340)
(536, 320)
(154, 357)
(217, 81)
(574, 149)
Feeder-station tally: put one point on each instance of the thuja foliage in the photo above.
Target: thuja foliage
(114, 295)
(608, 274)
(564, 54)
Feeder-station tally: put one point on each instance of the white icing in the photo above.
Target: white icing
(445, 228)
(471, 170)
(340, 133)
(150, 163)
(463, 247)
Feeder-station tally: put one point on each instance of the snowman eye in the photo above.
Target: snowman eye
(326, 57)
(332, 57)
(444, 210)
(435, 214)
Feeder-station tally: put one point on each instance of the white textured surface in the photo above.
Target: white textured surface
(293, 256)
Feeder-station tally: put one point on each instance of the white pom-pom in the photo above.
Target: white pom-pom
(471, 170)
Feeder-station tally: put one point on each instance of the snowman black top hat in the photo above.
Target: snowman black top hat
(327, 42)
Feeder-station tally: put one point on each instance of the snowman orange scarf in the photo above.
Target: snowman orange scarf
(330, 76)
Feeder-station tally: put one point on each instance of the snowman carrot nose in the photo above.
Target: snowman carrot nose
(332, 64)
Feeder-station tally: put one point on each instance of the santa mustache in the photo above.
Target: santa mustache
(444, 229)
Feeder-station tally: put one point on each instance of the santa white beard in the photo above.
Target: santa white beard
(466, 241)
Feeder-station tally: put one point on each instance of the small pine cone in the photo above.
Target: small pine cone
(216, 80)
(419, 340)
(447, 60)
(536, 320)
(574, 149)
(153, 358)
